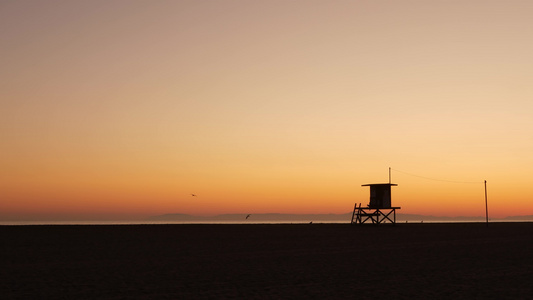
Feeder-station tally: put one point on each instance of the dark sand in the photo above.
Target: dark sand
(334, 261)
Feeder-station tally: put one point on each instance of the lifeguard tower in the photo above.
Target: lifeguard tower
(380, 209)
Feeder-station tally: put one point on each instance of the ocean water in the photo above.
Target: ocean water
(21, 223)
(148, 222)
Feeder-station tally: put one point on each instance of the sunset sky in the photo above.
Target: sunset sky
(123, 109)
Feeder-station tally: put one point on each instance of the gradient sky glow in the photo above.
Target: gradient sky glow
(122, 109)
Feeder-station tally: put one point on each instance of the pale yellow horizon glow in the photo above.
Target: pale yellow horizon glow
(122, 109)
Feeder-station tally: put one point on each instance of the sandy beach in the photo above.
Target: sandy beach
(267, 261)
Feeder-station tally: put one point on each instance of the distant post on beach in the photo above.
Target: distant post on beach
(486, 205)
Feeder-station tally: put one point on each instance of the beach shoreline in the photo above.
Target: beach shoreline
(265, 261)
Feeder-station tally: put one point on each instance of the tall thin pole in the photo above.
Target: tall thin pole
(486, 205)
(389, 176)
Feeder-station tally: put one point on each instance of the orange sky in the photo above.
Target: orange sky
(122, 109)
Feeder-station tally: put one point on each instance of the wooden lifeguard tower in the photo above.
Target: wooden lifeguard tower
(380, 209)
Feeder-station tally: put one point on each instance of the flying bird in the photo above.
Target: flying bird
(194, 195)
(248, 216)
